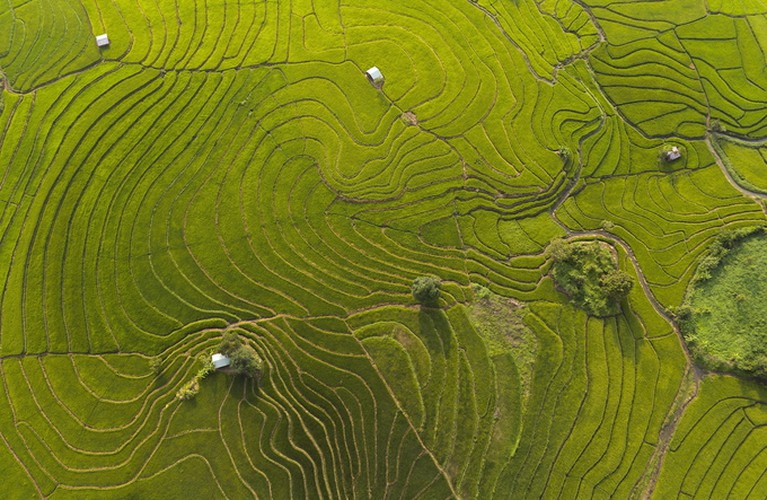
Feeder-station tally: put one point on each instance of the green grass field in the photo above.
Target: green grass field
(728, 325)
(227, 166)
(747, 163)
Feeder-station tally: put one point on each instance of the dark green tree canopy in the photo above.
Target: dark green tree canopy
(426, 289)
(230, 343)
(588, 273)
(244, 359)
(616, 284)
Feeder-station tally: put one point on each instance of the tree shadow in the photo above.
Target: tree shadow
(435, 330)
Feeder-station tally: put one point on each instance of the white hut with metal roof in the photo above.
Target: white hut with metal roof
(375, 76)
(673, 154)
(102, 40)
(220, 361)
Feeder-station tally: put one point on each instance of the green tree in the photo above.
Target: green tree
(426, 289)
(616, 285)
(243, 358)
(155, 364)
(588, 273)
(246, 361)
(230, 343)
(560, 250)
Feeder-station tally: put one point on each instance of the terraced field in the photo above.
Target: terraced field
(226, 166)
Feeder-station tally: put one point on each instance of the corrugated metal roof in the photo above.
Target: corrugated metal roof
(220, 361)
(375, 75)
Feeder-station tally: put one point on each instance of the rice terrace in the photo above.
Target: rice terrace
(393, 249)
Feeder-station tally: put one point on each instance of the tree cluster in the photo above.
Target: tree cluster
(721, 317)
(244, 359)
(721, 246)
(588, 274)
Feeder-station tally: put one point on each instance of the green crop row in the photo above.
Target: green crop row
(718, 449)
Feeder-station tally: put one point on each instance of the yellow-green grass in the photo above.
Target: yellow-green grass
(668, 66)
(747, 164)
(44, 40)
(718, 448)
(668, 220)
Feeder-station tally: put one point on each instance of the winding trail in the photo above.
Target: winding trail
(683, 398)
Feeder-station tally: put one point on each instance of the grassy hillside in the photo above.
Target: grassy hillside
(227, 166)
(726, 324)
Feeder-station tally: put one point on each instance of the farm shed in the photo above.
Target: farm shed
(375, 76)
(102, 40)
(673, 154)
(220, 361)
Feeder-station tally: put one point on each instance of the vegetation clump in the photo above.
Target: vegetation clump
(155, 364)
(244, 359)
(192, 388)
(588, 273)
(501, 323)
(426, 289)
(616, 285)
(723, 318)
(721, 246)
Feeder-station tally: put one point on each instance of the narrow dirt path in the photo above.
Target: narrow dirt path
(686, 395)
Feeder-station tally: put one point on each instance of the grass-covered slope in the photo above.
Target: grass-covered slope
(226, 166)
(42, 40)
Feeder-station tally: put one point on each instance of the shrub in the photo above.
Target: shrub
(560, 250)
(616, 284)
(246, 361)
(207, 367)
(155, 364)
(192, 388)
(189, 390)
(684, 318)
(481, 292)
(230, 343)
(721, 246)
(426, 289)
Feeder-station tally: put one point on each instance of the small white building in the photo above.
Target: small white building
(673, 154)
(220, 361)
(102, 40)
(375, 76)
